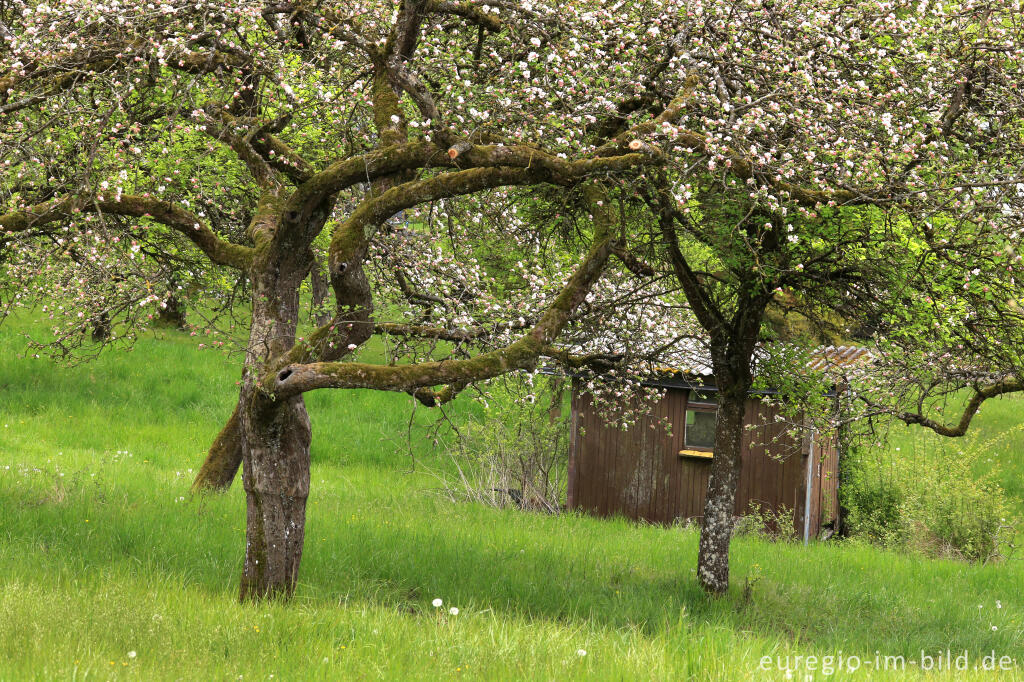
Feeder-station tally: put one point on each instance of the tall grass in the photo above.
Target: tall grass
(103, 553)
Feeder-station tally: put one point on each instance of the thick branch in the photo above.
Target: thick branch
(521, 354)
(363, 168)
(352, 236)
(187, 223)
(469, 12)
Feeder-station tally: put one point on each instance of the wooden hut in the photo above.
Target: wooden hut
(661, 476)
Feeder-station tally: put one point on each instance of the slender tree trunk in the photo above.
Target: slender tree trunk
(173, 314)
(716, 529)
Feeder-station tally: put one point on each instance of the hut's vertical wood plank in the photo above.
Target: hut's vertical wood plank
(570, 474)
(605, 445)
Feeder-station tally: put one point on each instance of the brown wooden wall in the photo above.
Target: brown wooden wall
(638, 473)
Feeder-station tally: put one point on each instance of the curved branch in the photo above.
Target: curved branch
(363, 168)
(258, 166)
(521, 354)
(981, 394)
(470, 12)
(423, 331)
(704, 308)
(352, 236)
(66, 70)
(434, 398)
(277, 154)
(173, 216)
(404, 79)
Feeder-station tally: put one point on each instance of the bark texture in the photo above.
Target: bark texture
(716, 531)
(275, 438)
(275, 475)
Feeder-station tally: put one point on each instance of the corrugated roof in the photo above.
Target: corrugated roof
(694, 359)
(838, 356)
(692, 367)
(695, 366)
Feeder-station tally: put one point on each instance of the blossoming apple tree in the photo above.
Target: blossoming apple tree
(492, 183)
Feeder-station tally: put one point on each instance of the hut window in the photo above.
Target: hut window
(700, 429)
(699, 433)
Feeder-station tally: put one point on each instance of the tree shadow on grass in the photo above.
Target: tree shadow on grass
(609, 574)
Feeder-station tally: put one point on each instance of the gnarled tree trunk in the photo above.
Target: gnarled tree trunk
(275, 475)
(275, 438)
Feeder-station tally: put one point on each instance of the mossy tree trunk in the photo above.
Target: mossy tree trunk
(275, 436)
(275, 474)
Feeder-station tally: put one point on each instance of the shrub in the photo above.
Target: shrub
(931, 499)
(516, 453)
(876, 509)
(766, 523)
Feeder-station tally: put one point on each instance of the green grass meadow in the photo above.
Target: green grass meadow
(109, 569)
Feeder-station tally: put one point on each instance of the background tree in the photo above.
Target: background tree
(848, 159)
